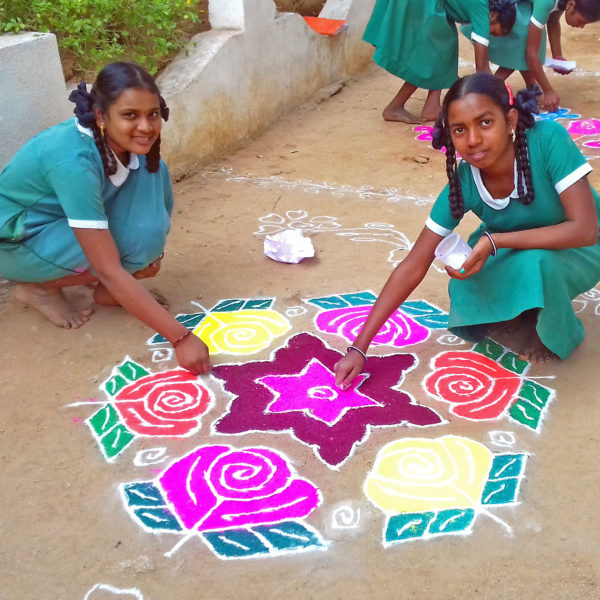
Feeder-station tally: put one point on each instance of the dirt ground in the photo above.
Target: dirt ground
(65, 532)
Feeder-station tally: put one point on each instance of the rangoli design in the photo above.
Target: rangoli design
(241, 503)
(236, 326)
(344, 315)
(434, 487)
(145, 404)
(486, 383)
(295, 391)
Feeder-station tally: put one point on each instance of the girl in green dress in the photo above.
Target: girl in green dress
(524, 49)
(417, 41)
(88, 202)
(537, 247)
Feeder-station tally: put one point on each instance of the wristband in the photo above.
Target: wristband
(180, 339)
(489, 237)
(363, 354)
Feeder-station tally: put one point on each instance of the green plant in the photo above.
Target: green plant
(95, 32)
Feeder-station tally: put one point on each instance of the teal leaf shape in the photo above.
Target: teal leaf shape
(328, 302)
(157, 519)
(359, 298)
(507, 465)
(425, 314)
(143, 493)
(190, 320)
(259, 304)
(236, 543)
(500, 491)
(407, 526)
(290, 535)
(228, 305)
(452, 521)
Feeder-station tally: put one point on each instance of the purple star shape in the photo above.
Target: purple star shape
(251, 408)
(313, 390)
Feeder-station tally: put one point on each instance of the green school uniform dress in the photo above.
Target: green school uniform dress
(509, 50)
(56, 183)
(517, 280)
(417, 40)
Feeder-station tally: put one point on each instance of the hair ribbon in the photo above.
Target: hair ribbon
(511, 98)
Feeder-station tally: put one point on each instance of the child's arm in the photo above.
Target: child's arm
(100, 249)
(553, 29)
(400, 284)
(579, 229)
(534, 39)
(482, 61)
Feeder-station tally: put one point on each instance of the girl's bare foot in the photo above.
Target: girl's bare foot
(53, 304)
(392, 113)
(536, 352)
(103, 297)
(429, 116)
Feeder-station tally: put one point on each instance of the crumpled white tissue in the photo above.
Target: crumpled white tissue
(289, 246)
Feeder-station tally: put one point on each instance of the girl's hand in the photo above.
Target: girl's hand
(192, 355)
(475, 262)
(550, 100)
(348, 368)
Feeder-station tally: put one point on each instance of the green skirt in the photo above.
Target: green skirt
(514, 281)
(415, 41)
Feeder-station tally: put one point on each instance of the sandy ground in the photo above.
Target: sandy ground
(64, 528)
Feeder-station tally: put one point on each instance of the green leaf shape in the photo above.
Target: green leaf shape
(115, 383)
(143, 493)
(132, 371)
(489, 348)
(259, 304)
(103, 420)
(157, 519)
(236, 543)
(116, 440)
(452, 521)
(531, 405)
(408, 526)
(513, 363)
(290, 535)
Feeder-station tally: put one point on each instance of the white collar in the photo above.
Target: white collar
(495, 203)
(120, 177)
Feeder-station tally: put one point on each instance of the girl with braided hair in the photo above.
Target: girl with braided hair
(524, 48)
(417, 41)
(537, 247)
(88, 202)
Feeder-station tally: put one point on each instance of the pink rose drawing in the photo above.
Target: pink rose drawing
(584, 127)
(215, 488)
(399, 330)
(170, 403)
(476, 387)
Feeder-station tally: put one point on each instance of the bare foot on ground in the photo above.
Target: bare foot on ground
(52, 304)
(401, 115)
(429, 116)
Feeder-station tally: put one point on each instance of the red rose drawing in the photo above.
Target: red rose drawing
(476, 386)
(164, 404)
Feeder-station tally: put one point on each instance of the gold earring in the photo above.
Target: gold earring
(102, 129)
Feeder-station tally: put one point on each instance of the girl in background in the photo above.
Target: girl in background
(417, 41)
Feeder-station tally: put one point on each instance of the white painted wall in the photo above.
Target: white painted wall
(252, 66)
(33, 95)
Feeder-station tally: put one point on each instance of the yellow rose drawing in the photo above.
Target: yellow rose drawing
(417, 474)
(241, 331)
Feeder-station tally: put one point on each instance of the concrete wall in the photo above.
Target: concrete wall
(33, 95)
(253, 65)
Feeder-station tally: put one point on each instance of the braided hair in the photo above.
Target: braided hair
(494, 88)
(507, 13)
(110, 83)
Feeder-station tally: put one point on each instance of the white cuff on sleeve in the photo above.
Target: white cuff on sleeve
(81, 224)
(433, 226)
(571, 178)
(537, 23)
(480, 39)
